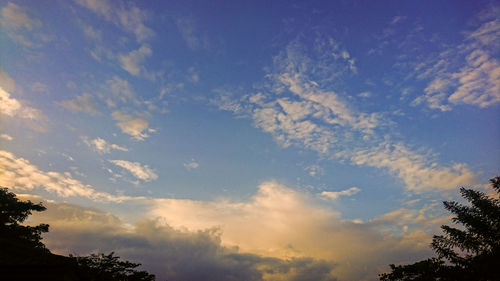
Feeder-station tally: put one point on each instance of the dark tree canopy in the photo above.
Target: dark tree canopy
(110, 267)
(470, 251)
(12, 214)
(24, 257)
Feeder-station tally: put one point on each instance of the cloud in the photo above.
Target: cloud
(20, 175)
(191, 165)
(187, 29)
(314, 170)
(417, 172)
(132, 126)
(13, 108)
(476, 82)
(267, 237)
(101, 146)
(136, 169)
(81, 103)
(279, 222)
(6, 82)
(6, 137)
(299, 107)
(170, 253)
(17, 23)
(334, 195)
(132, 62)
(121, 91)
(126, 16)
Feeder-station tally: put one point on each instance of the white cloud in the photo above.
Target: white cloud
(136, 169)
(191, 165)
(39, 87)
(127, 16)
(477, 82)
(6, 137)
(13, 108)
(334, 195)
(417, 172)
(132, 62)
(18, 24)
(132, 126)
(20, 175)
(101, 146)
(300, 111)
(82, 103)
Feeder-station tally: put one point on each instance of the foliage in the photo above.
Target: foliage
(12, 214)
(24, 257)
(470, 252)
(110, 267)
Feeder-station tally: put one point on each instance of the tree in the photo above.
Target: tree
(469, 252)
(23, 256)
(110, 267)
(12, 214)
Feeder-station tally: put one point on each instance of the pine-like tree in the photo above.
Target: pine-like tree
(468, 252)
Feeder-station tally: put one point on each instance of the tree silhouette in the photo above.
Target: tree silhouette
(12, 214)
(468, 252)
(110, 267)
(23, 256)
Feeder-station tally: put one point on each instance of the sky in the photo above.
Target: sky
(248, 140)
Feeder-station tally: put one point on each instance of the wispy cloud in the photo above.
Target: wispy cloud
(82, 103)
(20, 175)
(132, 62)
(189, 32)
(476, 82)
(300, 107)
(334, 195)
(127, 16)
(101, 146)
(137, 169)
(19, 25)
(133, 126)
(416, 170)
(14, 108)
(6, 137)
(191, 165)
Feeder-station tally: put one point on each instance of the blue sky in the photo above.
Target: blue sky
(288, 133)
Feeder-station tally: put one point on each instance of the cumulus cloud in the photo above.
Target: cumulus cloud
(168, 252)
(12, 107)
(137, 169)
(126, 16)
(133, 126)
(20, 175)
(132, 62)
(279, 222)
(267, 237)
(82, 103)
(334, 195)
(101, 146)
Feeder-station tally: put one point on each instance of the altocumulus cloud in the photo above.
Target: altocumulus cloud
(136, 169)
